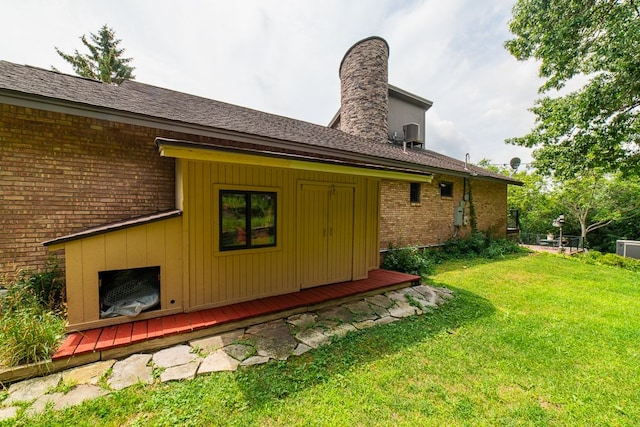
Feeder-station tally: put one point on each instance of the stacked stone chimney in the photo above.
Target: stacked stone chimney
(364, 90)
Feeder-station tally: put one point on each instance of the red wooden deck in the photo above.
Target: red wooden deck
(134, 332)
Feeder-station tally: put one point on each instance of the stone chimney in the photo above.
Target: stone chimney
(364, 90)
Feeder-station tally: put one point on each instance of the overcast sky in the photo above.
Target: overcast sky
(282, 56)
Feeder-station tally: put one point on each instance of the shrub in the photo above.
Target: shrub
(31, 325)
(598, 258)
(479, 245)
(46, 285)
(409, 260)
(29, 334)
(501, 247)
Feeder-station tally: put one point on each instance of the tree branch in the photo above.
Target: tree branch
(635, 6)
(597, 225)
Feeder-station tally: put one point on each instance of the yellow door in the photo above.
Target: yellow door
(312, 228)
(325, 230)
(340, 235)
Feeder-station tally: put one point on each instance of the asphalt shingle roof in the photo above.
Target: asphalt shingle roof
(158, 103)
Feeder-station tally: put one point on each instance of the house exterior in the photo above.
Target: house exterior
(414, 213)
(207, 203)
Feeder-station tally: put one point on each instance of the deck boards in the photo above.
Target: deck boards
(110, 337)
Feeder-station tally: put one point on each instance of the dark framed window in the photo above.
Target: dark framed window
(247, 219)
(446, 189)
(414, 192)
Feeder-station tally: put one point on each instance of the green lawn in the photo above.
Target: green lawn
(532, 340)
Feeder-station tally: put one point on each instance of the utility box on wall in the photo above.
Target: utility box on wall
(458, 215)
(628, 248)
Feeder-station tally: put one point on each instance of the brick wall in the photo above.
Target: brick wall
(430, 222)
(490, 201)
(60, 174)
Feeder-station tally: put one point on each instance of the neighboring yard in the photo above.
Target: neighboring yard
(529, 340)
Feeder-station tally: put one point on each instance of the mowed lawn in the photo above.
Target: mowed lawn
(530, 340)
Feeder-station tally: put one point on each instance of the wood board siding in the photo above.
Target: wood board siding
(217, 278)
(154, 244)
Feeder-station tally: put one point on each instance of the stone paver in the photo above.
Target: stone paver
(178, 355)
(341, 330)
(87, 374)
(218, 361)
(41, 403)
(380, 301)
(361, 311)
(429, 294)
(402, 311)
(255, 360)
(32, 389)
(386, 320)
(130, 371)
(8, 413)
(78, 395)
(239, 351)
(275, 340)
(301, 349)
(397, 296)
(365, 325)
(185, 371)
(337, 314)
(302, 321)
(380, 311)
(211, 344)
(314, 338)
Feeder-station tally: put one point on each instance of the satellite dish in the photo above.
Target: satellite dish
(515, 163)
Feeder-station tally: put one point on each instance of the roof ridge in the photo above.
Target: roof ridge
(162, 105)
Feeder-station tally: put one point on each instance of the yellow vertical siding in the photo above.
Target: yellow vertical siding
(93, 260)
(146, 245)
(217, 278)
(75, 290)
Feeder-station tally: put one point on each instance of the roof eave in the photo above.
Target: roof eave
(197, 151)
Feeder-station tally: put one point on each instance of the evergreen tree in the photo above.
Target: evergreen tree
(104, 61)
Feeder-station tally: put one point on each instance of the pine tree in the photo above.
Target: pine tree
(104, 61)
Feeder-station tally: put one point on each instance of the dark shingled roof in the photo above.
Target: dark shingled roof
(151, 102)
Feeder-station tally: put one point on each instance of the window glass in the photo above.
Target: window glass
(414, 192)
(233, 216)
(446, 189)
(247, 219)
(263, 219)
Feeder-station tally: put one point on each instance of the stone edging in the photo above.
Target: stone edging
(257, 344)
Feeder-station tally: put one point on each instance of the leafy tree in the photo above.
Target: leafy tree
(104, 61)
(587, 199)
(626, 224)
(534, 201)
(598, 125)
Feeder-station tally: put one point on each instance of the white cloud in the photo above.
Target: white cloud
(283, 56)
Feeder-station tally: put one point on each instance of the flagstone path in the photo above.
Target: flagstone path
(258, 344)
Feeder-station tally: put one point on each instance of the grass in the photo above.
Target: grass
(528, 340)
